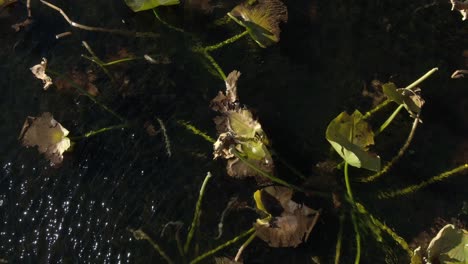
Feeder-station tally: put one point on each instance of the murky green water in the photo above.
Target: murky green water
(82, 211)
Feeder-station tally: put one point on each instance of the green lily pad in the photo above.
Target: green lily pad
(449, 246)
(350, 136)
(141, 5)
(410, 99)
(261, 19)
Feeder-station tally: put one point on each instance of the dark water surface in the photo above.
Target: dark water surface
(108, 184)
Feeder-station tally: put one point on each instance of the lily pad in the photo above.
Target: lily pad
(288, 223)
(449, 246)
(410, 99)
(261, 19)
(47, 134)
(141, 5)
(351, 136)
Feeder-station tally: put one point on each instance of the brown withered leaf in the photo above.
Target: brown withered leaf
(293, 224)
(39, 71)
(47, 134)
(83, 79)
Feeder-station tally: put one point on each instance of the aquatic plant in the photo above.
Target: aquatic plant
(141, 5)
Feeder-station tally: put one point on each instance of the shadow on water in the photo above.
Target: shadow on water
(82, 211)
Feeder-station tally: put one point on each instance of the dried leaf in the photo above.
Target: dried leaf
(261, 19)
(461, 7)
(47, 134)
(80, 78)
(18, 26)
(410, 99)
(293, 224)
(39, 72)
(350, 136)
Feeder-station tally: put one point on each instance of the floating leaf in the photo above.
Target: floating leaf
(47, 134)
(141, 5)
(450, 245)
(350, 136)
(261, 19)
(240, 132)
(410, 99)
(289, 223)
(39, 72)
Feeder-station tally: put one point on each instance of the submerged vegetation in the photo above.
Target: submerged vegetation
(287, 209)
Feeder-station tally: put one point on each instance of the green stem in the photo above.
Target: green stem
(226, 42)
(421, 79)
(214, 64)
(220, 247)
(398, 239)
(196, 131)
(246, 243)
(85, 93)
(416, 187)
(96, 60)
(95, 132)
(196, 215)
(339, 239)
(155, 12)
(389, 120)
(110, 63)
(139, 235)
(401, 152)
(263, 173)
(377, 108)
(353, 215)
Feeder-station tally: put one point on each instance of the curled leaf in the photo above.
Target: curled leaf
(39, 72)
(351, 136)
(450, 245)
(410, 99)
(261, 19)
(289, 223)
(141, 5)
(462, 7)
(47, 134)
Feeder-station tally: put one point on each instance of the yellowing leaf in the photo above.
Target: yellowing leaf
(350, 136)
(39, 72)
(47, 134)
(141, 5)
(261, 19)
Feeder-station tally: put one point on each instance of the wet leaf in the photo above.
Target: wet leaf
(293, 222)
(450, 245)
(350, 136)
(261, 19)
(410, 99)
(47, 134)
(141, 5)
(39, 72)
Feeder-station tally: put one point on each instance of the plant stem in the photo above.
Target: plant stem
(226, 42)
(196, 215)
(85, 93)
(214, 64)
(195, 130)
(401, 152)
(389, 120)
(421, 79)
(263, 173)
(96, 60)
(398, 239)
(353, 215)
(139, 235)
(95, 132)
(220, 247)
(416, 187)
(246, 243)
(339, 239)
(155, 12)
